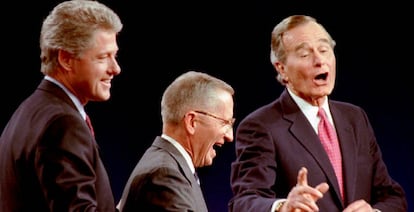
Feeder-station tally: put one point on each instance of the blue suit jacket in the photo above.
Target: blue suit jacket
(276, 140)
(49, 160)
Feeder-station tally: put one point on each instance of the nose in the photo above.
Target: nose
(229, 134)
(320, 58)
(115, 68)
(317, 59)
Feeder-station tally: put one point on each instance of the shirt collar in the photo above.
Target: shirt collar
(74, 99)
(181, 150)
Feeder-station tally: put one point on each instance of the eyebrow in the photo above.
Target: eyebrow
(304, 44)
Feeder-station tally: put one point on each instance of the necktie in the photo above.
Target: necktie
(330, 143)
(196, 177)
(88, 122)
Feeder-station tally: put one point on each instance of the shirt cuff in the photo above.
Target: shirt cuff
(277, 204)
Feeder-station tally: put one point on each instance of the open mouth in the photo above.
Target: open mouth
(216, 146)
(323, 76)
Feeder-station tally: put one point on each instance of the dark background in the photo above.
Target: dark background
(229, 40)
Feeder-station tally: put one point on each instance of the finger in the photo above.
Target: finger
(303, 205)
(319, 191)
(359, 205)
(323, 187)
(303, 177)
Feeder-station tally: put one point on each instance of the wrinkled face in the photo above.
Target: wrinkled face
(214, 128)
(310, 64)
(91, 74)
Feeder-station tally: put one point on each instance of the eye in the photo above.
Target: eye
(324, 49)
(303, 53)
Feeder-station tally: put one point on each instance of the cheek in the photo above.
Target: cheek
(300, 75)
(208, 146)
(298, 69)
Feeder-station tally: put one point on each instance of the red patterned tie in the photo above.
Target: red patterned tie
(330, 143)
(88, 122)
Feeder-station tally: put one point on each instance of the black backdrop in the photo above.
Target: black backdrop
(229, 40)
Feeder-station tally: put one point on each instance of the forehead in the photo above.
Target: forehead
(306, 34)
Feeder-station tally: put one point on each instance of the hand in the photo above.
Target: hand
(303, 197)
(359, 206)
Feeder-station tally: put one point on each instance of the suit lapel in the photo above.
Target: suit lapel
(182, 163)
(348, 149)
(164, 144)
(305, 135)
(303, 132)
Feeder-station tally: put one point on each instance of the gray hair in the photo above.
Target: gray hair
(191, 91)
(277, 50)
(70, 26)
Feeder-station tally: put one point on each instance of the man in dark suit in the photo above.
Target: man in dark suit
(197, 111)
(49, 158)
(281, 163)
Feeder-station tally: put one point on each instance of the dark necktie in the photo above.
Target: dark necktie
(88, 122)
(330, 143)
(196, 177)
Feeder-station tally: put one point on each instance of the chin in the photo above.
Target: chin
(209, 162)
(104, 96)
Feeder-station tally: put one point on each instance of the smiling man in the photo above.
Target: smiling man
(282, 164)
(197, 115)
(50, 160)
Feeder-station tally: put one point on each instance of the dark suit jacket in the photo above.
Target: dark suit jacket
(162, 181)
(276, 140)
(49, 160)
